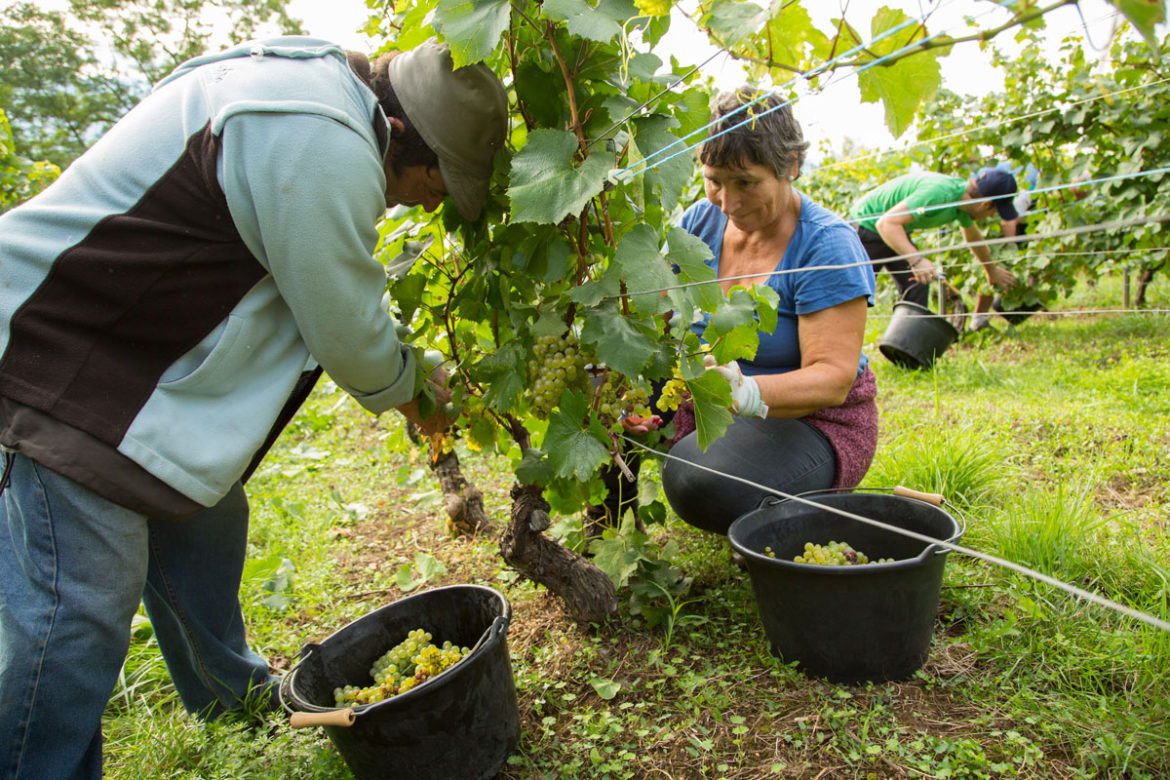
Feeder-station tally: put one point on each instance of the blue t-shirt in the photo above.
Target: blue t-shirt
(821, 238)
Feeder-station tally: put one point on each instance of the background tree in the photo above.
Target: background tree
(66, 77)
(20, 178)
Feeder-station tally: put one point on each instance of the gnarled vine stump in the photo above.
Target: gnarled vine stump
(465, 511)
(587, 592)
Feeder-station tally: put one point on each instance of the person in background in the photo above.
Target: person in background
(887, 215)
(1010, 228)
(167, 304)
(804, 405)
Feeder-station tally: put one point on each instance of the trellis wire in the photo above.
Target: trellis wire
(992, 559)
(1037, 313)
(617, 176)
(1117, 224)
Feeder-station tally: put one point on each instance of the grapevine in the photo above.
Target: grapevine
(411, 662)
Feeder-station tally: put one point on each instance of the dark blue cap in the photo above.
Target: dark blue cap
(1000, 186)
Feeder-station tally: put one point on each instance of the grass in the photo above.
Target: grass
(1053, 441)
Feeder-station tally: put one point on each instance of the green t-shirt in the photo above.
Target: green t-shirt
(921, 191)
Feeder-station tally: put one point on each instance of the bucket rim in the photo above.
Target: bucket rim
(930, 550)
(486, 642)
(918, 310)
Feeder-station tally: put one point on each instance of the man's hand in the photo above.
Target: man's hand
(1001, 278)
(437, 421)
(745, 391)
(636, 423)
(923, 269)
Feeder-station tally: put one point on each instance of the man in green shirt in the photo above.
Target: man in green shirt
(886, 216)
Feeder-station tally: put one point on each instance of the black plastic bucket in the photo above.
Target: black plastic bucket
(916, 336)
(463, 723)
(849, 624)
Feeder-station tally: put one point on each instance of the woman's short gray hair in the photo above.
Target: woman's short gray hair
(767, 133)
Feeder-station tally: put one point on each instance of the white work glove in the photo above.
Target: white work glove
(745, 391)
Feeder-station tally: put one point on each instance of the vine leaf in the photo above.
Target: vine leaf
(690, 255)
(641, 264)
(534, 468)
(619, 341)
(671, 172)
(906, 82)
(733, 328)
(1143, 15)
(711, 395)
(600, 23)
(574, 452)
(545, 187)
(473, 28)
(793, 41)
(733, 20)
(506, 376)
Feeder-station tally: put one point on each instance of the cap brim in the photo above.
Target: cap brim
(1006, 209)
(467, 191)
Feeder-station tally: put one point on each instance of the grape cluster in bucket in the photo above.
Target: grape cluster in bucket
(411, 662)
(831, 554)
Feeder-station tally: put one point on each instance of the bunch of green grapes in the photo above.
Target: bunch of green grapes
(673, 393)
(832, 554)
(412, 661)
(558, 364)
(613, 403)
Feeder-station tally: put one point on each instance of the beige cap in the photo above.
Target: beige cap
(461, 114)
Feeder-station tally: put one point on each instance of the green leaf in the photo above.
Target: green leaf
(473, 28)
(614, 557)
(545, 187)
(712, 398)
(793, 40)
(733, 20)
(1143, 15)
(575, 452)
(689, 254)
(594, 292)
(534, 468)
(741, 342)
(426, 567)
(605, 688)
(733, 330)
(643, 267)
(901, 84)
(621, 342)
(600, 23)
(767, 307)
(668, 176)
(505, 376)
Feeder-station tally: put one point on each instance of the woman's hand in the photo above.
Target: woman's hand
(745, 391)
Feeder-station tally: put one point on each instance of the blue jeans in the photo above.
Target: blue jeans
(73, 568)
(782, 454)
